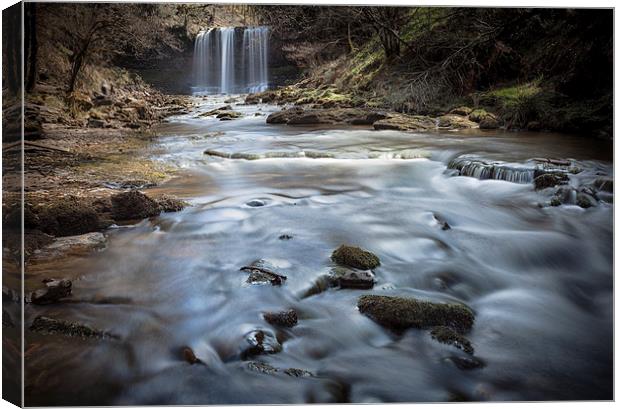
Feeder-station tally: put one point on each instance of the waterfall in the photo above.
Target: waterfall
(255, 47)
(224, 65)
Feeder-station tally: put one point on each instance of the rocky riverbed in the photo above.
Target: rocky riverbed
(333, 261)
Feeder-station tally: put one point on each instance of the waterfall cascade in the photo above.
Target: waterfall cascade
(225, 63)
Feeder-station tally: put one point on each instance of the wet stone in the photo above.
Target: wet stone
(449, 336)
(261, 367)
(465, 363)
(255, 203)
(355, 279)
(189, 356)
(282, 318)
(262, 272)
(47, 325)
(260, 342)
(399, 314)
(54, 291)
(297, 373)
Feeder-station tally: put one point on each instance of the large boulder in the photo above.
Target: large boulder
(399, 314)
(133, 205)
(355, 257)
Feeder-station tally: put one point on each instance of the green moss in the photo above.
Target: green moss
(399, 314)
(355, 257)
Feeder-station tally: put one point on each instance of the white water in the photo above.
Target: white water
(224, 65)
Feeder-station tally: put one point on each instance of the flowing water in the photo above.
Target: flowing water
(539, 279)
(224, 63)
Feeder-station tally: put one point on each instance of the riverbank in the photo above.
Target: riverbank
(82, 149)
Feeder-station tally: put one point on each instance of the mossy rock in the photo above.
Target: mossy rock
(48, 325)
(133, 205)
(282, 318)
(70, 217)
(478, 115)
(355, 257)
(399, 314)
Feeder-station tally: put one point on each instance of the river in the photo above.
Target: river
(538, 278)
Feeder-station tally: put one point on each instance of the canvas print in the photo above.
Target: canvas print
(292, 204)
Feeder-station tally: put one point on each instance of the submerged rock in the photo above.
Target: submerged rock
(297, 373)
(133, 205)
(449, 336)
(466, 363)
(61, 246)
(261, 367)
(549, 180)
(261, 272)
(267, 369)
(285, 237)
(348, 278)
(255, 203)
(399, 314)
(260, 342)
(355, 257)
(54, 291)
(282, 318)
(47, 325)
(189, 356)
